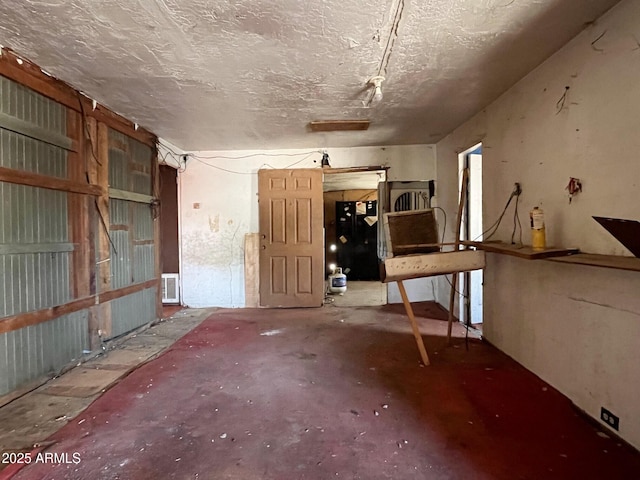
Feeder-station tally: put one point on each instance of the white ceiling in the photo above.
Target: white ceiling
(251, 74)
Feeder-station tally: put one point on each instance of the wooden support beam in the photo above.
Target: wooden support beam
(22, 320)
(16, 322)
(101, 145)
(43, 181)
(78, 205)
(128, 290)
(414, 324)
(157, 232)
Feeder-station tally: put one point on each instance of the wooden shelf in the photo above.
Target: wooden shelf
(563, 255)
(606, 261)
(522, 251)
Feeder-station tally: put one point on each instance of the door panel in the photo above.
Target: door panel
(292, 238)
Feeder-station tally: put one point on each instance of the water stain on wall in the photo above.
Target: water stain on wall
(214, 223)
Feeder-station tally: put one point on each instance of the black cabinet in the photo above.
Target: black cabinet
(357, 239)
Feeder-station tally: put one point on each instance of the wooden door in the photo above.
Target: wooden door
(291, 238)
(169, 219)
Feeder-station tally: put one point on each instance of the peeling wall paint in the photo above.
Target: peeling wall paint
(225, 190)
(575, 326)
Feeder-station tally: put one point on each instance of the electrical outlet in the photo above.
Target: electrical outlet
(609, 418)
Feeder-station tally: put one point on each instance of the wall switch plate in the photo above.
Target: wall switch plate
(609, 418)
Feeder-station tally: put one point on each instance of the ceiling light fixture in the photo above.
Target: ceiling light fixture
(376, 82)
(376, 93)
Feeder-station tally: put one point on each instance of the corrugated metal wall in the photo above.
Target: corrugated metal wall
(35, 252)
(132, 311)
(131, 231)
(31, 352)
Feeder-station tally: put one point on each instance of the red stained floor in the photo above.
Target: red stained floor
(332, 393)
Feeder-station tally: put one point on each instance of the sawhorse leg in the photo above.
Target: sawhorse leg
(414, 324)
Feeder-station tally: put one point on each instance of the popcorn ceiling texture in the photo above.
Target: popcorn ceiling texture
(246, 74)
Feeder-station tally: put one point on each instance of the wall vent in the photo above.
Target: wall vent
(170, 288)
(407, 196)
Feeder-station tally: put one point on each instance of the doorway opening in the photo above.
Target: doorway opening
(470, 299)
(353, 200)
(169, 251)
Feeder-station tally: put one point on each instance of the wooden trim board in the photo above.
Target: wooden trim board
(22, 320)
(252, 270)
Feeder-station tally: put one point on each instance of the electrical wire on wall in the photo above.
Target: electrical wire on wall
(517, 191)
(182, 158)
(168, 154)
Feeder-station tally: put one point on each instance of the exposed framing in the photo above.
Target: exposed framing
(87, 184)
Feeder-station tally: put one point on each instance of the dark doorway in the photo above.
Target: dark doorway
(170, 252)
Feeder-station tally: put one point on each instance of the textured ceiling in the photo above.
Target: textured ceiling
(251, 74)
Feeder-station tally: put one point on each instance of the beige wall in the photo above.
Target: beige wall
(218, 205)
(577, 327)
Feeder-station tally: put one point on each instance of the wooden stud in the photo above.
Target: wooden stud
(414, 324)
(23, 320)
(101, 146)
(128, 155)
(81, 263)
(157, 231)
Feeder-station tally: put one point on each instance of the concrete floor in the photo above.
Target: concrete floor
(361, 294)
(331, 393)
